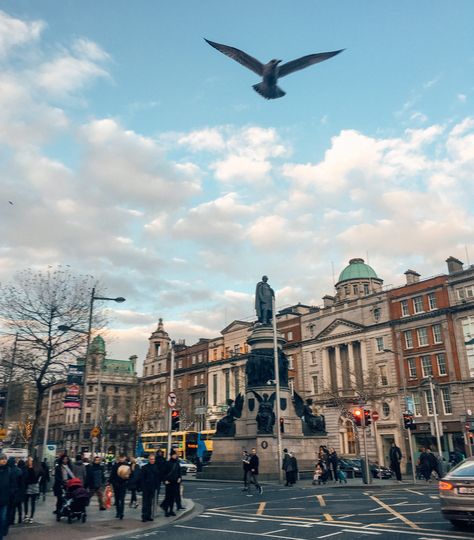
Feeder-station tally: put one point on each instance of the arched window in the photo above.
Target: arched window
(348, 437)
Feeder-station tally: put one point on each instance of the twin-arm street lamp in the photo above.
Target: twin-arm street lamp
(88, 332)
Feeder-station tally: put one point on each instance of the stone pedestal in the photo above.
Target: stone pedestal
(226, 459)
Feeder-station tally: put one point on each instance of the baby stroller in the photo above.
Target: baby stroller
(75, 501)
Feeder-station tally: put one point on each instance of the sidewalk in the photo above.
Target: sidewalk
(99, 525)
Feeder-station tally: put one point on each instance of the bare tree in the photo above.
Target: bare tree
(32, 306)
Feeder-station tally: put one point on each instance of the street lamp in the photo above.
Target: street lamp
(277, 391)
(65, 328)
(435, 416)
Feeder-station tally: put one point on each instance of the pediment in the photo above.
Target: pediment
(236, 325)
(340, 327)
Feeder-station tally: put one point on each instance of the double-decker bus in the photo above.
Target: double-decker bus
(184, 442)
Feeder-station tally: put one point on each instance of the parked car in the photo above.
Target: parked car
(353, 467)
(350, 467)
(456, 494)
(187, 467)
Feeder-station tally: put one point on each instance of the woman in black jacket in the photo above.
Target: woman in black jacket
(32, 475)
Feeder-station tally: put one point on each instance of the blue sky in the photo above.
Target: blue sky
(142, 155)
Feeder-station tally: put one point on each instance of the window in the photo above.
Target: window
(179, 382)
(418, 304)
(116, 389)
(290, 362)
(289, 336)
(157, 348)
(199, 356)
(346, 290)
(379, 343)
(432, 301)
(88, 419)
(355, 289)
(426, 365)
(469, 292)
(179, 363)
(412, 368)
(422, 334)
(196, 380)
(408, 339)
(377, 313)
(441, 361)
(437, 336)
(313, 357)
(193, 359)
(366, 288)
(385, 409)
(315, 384)
(460, 294)
(404, 308)
(429, 403)
(416, 404)
(383, 375)
(446, 397)
(201, 378)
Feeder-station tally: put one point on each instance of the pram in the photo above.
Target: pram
(74, 502)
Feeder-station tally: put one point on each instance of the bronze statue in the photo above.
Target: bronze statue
(264, 301)
(265, 415)
(313, 424)
(226, 425)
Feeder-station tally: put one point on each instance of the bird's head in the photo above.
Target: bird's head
(275, 62)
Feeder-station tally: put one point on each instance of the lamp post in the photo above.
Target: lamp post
(65, 328)
(435, 417)
(277, 391)
(170, 417)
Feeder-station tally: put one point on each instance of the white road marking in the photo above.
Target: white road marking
(423, 510)
(328, 535)
(239, 532)
(273, 532)
(306, 525)
(244, 520)
(365, 532)
(413, 491)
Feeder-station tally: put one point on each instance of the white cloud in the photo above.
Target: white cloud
(15, 32)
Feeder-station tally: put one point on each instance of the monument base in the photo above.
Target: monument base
(226, 462)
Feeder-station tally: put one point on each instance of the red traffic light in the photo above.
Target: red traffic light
(357, 412)
(358, 415)
(174, 413)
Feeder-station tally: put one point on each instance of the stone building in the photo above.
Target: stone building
(345, 362)
(111, 384)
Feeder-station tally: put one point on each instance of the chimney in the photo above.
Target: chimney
(454, 265)
(328, 300)
(133, 361)
(412, 277)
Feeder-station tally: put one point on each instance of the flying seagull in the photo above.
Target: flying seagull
(271, 71)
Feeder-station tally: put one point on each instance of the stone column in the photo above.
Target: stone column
(325, 369)
(338, 368)
(352, 368)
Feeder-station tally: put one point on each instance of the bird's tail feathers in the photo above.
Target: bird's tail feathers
(268, 92)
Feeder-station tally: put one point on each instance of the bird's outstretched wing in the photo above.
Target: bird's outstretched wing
(239, 56)
(299, 404)
(305, 61)
(258, 396)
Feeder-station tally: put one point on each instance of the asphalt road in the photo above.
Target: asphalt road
(306, 512)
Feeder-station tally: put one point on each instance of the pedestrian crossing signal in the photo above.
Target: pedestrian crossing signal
(367, 418)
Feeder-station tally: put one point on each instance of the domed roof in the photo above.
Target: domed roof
(357, 269)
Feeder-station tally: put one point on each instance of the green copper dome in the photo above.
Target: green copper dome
(98, 345)
(357, 269)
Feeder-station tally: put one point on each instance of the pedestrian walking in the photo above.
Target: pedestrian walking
(95, 481)
(79, 469)
(254, 463)
(134, 482)
(32, 472)
(246, 469)
(333, 461)
(395, 459)
(18, 497)
(286, 466)
(172, 480)
(119, 476)
(45, 478)
(161, 466)
(62, 473)
(149, 480)
(425, 464)
(7, 489)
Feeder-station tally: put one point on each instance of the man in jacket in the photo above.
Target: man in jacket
(149, 482)
(7, 489)
(286, 466)
(95, 480)
(172, 479)
(118, 478)
(246, 468)
(253, 463)
(395, 458)
(160, 462)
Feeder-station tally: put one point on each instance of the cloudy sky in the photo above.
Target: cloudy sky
(134, 151)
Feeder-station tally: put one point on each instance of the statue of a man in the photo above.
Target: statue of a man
(263, 301)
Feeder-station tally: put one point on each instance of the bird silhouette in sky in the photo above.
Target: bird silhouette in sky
(271, 71)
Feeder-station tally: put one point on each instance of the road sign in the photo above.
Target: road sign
(172, 400)
(95, 431)
(3, 434)
(375, 416)
(95, 440)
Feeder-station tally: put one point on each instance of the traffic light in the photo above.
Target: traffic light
(367, 417)
(408, 421)
(175, 420)
(357, 414)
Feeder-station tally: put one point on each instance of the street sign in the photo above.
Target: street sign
(95, 440)
(3, 434)
(375, 416)
(95, 432)
(172, 400)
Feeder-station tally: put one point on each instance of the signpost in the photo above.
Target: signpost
(375, 416)
(172, 400)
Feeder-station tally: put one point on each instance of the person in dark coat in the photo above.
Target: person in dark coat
(333, 461)
(62, 473)
(285, 465)
(172, 480)
(45, 478)
(18, 496)
(149, 482)
(246, 469)
(32, 474)
(424, 461)
(7, 490)
(79, 469)
(134, 482)
(95, 480)
(119, 476)
(293, 469)
(395, 459)
(160, 462)
(253, 463)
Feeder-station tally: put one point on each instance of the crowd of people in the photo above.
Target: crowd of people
(25, 482)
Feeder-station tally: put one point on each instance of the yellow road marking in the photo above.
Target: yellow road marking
(321, 500)
(261, 508)
(328, 517)
(394, 512)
